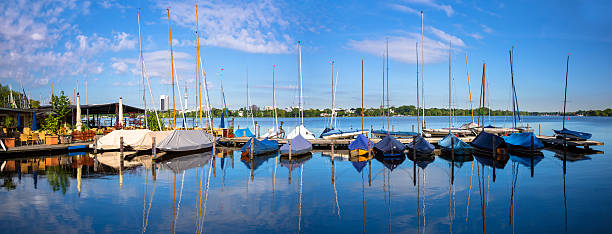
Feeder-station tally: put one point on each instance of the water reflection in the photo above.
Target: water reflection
(184, 194)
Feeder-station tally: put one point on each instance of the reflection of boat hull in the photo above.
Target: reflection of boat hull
(499, 161)
(391, 162)
(358, 152)
(444, 131)
(175, 154)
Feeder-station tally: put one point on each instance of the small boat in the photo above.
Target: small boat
(332, 133)
(389, 147)
(483, 144)
(499, 163)
(243, 132)
(566, 133)
(360, 146)
(422, 146)
(572, 135)
(460, 147)
(300, 130)
(520, 143)
(396, 134)
(299, 146)
(131, 138)
(186, 140)
(264, 146)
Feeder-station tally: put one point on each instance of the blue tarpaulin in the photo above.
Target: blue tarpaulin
(361, 143)
(484, 141)
(460, 147)
(243, 132)
(389, 145)
(573, 134)
(422, 146)
(299, 145)
(360, 165)
(523, 140)
(222, 124)
(260, 147)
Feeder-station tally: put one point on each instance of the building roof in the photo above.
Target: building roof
(109, 108)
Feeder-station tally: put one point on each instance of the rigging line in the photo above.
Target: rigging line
(467, 209)
(144, 100)
(206, 194)
(178, 206)
(161, 127)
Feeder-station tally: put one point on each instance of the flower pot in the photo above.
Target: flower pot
(51, 140)
(9, 142)
(66, 139)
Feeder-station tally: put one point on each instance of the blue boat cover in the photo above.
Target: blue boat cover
(243, 132)
(574, 134)
(460, 146)
(395, 133)
(331, 131)
(257, 161)
(484, 140)
(488, 161)
(422, 146)
(389, 145)
(359, 165)
(523, 140)
(260, 147)
(361, 142)
(299, 145)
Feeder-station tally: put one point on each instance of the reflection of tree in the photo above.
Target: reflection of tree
(8, 183)
(58, 178)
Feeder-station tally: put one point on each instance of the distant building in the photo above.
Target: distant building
(268, 108)
(254, 108)
(164, 102)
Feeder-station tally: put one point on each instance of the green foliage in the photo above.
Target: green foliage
(5, 94)
(152, 122)
(61, 109)
(9, 121)
(58, 178)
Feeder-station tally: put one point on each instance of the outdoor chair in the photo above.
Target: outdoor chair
(23, 138)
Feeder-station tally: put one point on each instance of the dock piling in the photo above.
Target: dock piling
(153, 147)
(251, 149)
(289, 142)
(494, 154)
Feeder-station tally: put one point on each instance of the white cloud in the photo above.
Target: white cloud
(445, 37)
(476, 36)
(402, 48)
(432, 3)
(120, 67)
(284, 87)
(486, 28)
(403, 8)
(253, 27)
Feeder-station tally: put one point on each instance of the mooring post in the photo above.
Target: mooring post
(153, 153)
(289, 142)
(95, 145)
(413, 128)
(251, 148)
(371, 131)
(539, 129)
(532, 155)
(332, 149)
(258, 132)
(121, 153)
(393, 128)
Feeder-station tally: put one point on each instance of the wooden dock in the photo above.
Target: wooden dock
(327, 143)
(551, 140)
(41, 149)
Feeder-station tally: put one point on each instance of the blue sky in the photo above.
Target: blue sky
(65, 42)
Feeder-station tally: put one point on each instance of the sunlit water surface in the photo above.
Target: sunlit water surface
(224, 193)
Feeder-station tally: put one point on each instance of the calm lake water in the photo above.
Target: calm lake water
(224, 193)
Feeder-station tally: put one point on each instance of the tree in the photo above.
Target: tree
(61, 108)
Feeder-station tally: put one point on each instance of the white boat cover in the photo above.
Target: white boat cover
(112, 159)
(301, 130)
(147, 140)
(270, 133)
(186, 140)
(130, 138)
(186, 162)
(469, 125)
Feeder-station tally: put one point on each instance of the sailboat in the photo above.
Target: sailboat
(297, 146)
(451, 143)
(273, 132)
(300, 129)
(361, 145)
(262, 147)
(523, 143)
(566, 133)
(384, 132)
(183, 141)
(330, 132)
(246, 132)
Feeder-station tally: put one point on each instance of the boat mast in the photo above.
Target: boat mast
(331, 119)
(512, 71)
(469, 88)
(274, 100)
(450, 48)
(300, 83)
(199, 73)
(565, 95)
(417, 90)
(388, 110)
(172, 67)
(483, 87)
(248, 104)
(223, 96)
(144, 100)
(362, 95)
(382, 105)
(422, 76)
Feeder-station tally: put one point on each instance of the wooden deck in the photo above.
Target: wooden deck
(551, 140)
(37, 149)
